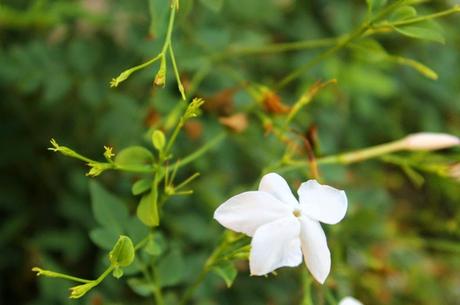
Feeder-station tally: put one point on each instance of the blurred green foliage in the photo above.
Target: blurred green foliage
(399, 244)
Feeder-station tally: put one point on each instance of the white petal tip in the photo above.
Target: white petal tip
(430, 141)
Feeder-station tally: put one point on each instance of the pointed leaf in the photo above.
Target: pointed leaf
(227, 272)
(171, 269)
(104, 237)
(374, 5)
(403, 13)
(108, 210)
(421, 31)
(141, 286)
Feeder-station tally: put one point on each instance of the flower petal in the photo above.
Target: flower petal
(322, 202)
(276, 185)
(350, 301)
(314, 247)
(274, 245)
(248, 211)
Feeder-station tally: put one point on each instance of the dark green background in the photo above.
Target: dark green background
(399, 243)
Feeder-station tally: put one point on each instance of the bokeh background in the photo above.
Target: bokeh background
(400, 242)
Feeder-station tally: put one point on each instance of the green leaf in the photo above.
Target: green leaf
(141, 286)
(421, 31)
(147, 210)
(104, 237)
(227, 272)
(135, 229)
(213, 5)
(171, 269)
(155, 245)
(134, 156)
(403, 13)
(108, 210)
(122, 253)
(374, 5)
(158, 139)
(141, 186)
(370, 50)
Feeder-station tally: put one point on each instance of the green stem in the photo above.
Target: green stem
(306, 287)
(125, 74)
(191, 289)
(48, 273)
(206, 269)
(104, 275)
(342, 42)
(278, 47)
(202, 150)
(169, 31)
(351, 157)
(158, 295)
(362, 154)
(453, 10)
(174, 135)
(186, 181)
(176, 72)
(142, 243)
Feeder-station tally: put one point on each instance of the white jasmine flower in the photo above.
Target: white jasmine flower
(350, 301)
(430, 141)
(282, 229)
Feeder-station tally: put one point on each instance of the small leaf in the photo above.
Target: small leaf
(147, 210)
(213, 5)
(108, 210)
(374, 5)
(421, 31)
(117, 273)
(141, 186)
(104, 237)
(141, 286)
(403, 13)
(158, 139)
(227, 272)
(171, 269)
(122, 253)
(370, 49)
(155, 246)
(135, 229)
(134, 155)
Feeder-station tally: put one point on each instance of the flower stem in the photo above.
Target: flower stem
(362, 154)
(306, 287)
(279, 47)
(48, 273)
(342, 42)
(202, 150)
(351, 157)
(206, 268)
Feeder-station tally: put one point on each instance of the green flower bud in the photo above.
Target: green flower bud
(158, 139)
(80, 290)
(122, 254)
(160, 78)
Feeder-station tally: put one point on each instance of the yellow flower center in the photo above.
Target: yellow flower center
(297, 213)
